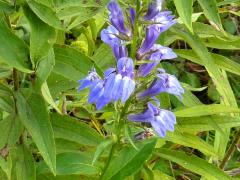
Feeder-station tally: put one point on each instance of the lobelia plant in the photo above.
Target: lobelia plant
(136, 77)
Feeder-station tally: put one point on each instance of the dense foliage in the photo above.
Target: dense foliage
(127, 89)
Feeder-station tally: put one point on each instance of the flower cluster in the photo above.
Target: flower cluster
(121, 82)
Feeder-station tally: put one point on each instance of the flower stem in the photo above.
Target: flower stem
(231, 150)
(15, 79)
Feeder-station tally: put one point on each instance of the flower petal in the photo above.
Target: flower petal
(146, 116)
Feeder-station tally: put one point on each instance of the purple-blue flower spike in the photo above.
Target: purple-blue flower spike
(158, 53)
(160, 119)
(163, 83)
(117, 18)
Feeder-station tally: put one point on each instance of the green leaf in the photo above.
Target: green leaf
(101, 148)
(128, 161)
(71, 63)
(44, 69)
(46, 14)
(60, 4)
(6, 6)
(48, 97)
(192, 141)
(193, 163)
(214, 42)
(12, 131)
(33, 114)
(210, 10)
(221, 61)
(6, 165)
(25, 165)
(71, 129)
(198, 124)
(205, 110)
(71, 163)
(184, 8)
(13, 51)
(42, 36)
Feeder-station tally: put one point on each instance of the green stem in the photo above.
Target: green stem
(15, 79)
(231, 150)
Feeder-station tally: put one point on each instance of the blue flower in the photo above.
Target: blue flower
(119, 51)
(120, 85)
(109, 36)
(162, 21)
(157, 53)
(153, 9)
(163, 83)
(117, 18)
(132, 13)
(89, 80)
(160, 119)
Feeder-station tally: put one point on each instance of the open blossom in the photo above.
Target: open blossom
(157, 53)
(160, 119)
(162, 21)
(109, 36)
(163, 83)
(118, 84)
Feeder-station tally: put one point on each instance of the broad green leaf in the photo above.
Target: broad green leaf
(210, 10)
(217, 43)
(46, 14)
(12, 130)
(71, 63)
(25, 165)
(44, 69)
(221, 61)
(198, 124)
(184, 8)
(71, 163)
(101, 148)
(193, 163)
(103, 57)
(6, 164)
(58, 84)
(191, 140)
(42, 36)
(7, 103)
(66, 127)
(48, 97)
(13, 51)
(128, 161)
(205, 110)
(33, 114)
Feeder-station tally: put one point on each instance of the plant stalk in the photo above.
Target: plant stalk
(231, 150)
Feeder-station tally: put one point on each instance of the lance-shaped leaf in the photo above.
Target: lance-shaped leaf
(13, 51)
(184, 8)
(128, 161)
(33, 114)
(42, 36)
(46, 14)
(193, 163)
